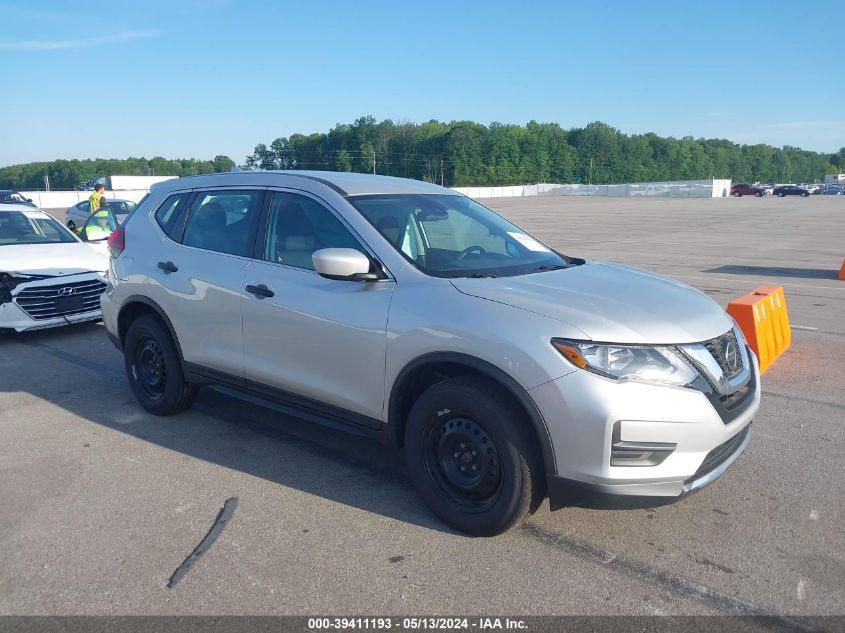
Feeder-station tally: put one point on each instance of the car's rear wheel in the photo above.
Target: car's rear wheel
(737, 194)
(154, 369)
(781, 195)
(759, 194)
(473, 456)
(805, 194)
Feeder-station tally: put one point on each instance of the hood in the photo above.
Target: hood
(52, 259)
(611, 303)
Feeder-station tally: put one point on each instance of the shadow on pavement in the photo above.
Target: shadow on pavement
(775, 271)
(220, 428)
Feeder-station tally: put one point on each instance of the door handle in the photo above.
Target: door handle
(260, 290)
(168, 267)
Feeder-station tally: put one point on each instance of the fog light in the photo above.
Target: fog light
(637, 453)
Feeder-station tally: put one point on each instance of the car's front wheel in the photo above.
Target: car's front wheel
(154, 369)
(737, 194)
(759, 194)
(781, 195)
(473, 456)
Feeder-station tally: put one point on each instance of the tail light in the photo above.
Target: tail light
(117, 241)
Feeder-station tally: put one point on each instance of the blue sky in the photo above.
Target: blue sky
(196, 78)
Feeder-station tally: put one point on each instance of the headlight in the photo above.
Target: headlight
(622, 362)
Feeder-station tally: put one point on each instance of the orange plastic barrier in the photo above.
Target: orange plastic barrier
(842, 271)
(764, 320)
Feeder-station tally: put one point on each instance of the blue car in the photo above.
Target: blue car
(830, 190)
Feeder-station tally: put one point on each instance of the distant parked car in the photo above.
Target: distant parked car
(91, 184)
(10, 196)
(77, 215)
(740, 190)
(830, 190)
(791, 190)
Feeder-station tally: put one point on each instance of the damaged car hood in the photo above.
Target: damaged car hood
(53, 260)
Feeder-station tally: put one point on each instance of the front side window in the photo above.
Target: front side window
(453, 236)
(19, 228)
(297, 226)
(221, 221)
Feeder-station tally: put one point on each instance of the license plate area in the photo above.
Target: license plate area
(69, 304)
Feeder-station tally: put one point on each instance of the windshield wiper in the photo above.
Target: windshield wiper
(481, 276)
(545, 267)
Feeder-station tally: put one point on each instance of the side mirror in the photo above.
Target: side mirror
(29, 199)
(345, 264)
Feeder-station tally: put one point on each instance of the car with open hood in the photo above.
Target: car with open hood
(48, 276)
(395, 308)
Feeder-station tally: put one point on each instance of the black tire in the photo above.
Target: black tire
(759, 194)
(781, 195)
(468, 423)
(737, 194)
(154, 368)
(804, 195)
(71, 225)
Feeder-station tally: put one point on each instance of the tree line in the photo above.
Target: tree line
(66, 174)
(465, 153)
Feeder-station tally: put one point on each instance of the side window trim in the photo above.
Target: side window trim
(261, 238)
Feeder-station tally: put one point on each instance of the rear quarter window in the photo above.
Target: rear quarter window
(168, 213)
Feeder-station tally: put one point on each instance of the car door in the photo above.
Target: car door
(313, 341)
(200, 269)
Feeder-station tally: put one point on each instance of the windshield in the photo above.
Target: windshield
(454, 236)
(19, 228)
(12, 197)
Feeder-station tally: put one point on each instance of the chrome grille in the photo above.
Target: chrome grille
(716, 347)
(48, 302)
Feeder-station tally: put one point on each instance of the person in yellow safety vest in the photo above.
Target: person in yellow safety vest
(96, 199)
(98, 229)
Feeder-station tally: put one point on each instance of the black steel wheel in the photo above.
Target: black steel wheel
(473, 456)
(463, 461)
(154, 368)
(150, 367)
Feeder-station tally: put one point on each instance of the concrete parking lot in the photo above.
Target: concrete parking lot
(102, 501)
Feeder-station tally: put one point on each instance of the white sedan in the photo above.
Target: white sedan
(77, 215)
(48, 276)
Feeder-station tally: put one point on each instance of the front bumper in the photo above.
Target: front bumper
(44, 312)
(582, 409)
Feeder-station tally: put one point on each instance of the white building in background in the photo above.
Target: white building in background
(834, 179)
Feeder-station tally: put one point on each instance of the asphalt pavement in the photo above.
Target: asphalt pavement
(102, 502)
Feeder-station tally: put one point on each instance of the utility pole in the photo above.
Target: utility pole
(441, 171)
(590, 178)
(47, 182)
(374, 162)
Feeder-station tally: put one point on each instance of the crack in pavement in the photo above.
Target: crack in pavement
(665, 580)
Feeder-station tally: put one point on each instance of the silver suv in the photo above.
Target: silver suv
(398, 308)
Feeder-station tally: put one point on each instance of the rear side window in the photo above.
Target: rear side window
(223, 221)
(167, 213)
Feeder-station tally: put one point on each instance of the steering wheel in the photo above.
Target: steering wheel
(470, 249)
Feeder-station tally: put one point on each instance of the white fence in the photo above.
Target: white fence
(669, 189)
(64, 199)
